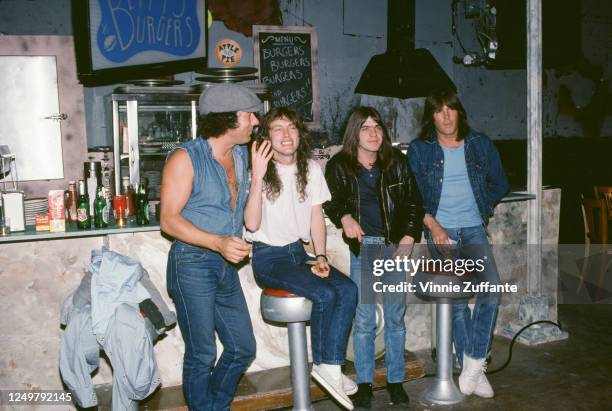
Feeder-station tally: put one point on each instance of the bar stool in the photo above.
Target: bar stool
(285, 307)
(443, 390)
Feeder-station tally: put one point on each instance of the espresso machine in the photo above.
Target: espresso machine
(12, 214)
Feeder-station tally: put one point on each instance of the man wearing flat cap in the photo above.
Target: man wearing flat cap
(203, 194)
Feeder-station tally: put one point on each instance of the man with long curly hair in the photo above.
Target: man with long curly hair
(284, 210)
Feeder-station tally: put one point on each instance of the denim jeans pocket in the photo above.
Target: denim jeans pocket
(188, 254)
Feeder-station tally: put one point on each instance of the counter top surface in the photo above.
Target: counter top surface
(72, 232)
(30, 234)
(517, 196)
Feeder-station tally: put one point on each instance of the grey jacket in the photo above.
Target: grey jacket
(125, 335)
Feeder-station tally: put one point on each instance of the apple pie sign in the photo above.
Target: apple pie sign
(228, 52)
(130, 27)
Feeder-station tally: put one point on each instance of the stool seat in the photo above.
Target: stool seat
(284, 306)
(275, 292)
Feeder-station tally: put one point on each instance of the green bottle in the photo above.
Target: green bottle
(100, 209)
(83, 214)
(142, 203)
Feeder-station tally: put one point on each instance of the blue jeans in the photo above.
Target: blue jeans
(364, 332)
(208, 298)
(333, 298)
(473, 331)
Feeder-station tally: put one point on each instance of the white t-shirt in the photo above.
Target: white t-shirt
(287, 219)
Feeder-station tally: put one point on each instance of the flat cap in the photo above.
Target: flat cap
(227, 97)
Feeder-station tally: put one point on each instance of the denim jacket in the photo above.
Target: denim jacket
(484, 167)
(209, 206)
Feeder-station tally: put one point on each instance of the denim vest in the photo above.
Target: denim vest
(485, 172)
(209, 206)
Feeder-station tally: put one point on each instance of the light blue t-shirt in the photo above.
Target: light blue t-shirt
(457, 206)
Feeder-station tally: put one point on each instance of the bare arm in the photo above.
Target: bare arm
(260, 158)
(318, 233)
(175, 190)
(252, 211)
(176, 186)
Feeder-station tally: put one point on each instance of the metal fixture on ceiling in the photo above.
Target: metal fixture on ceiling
(402, 71)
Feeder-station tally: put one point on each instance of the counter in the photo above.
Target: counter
(30, 234)
(39, 270)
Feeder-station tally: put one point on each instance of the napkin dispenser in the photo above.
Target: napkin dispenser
(12, 199)
(13, 208)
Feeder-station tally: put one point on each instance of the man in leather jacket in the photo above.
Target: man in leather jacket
(376, 201)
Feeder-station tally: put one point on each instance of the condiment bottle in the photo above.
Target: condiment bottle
(129, 197)
(71, 202)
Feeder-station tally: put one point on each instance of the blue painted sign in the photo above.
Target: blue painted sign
(128, 27)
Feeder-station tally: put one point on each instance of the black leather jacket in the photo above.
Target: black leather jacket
(399, 199)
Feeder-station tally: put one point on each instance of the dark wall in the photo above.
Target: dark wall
(495, 99)
(35, 17)
(573, 164)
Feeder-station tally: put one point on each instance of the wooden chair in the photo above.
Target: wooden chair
(605, 193)
(597, 254)
(595, 219)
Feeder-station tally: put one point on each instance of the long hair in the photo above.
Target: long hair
(350, 141)
(215, 124)
(434, 103)
(272, 183)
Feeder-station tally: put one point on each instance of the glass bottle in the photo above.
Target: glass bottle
(142, 203)
(119, 210)
(129, 197)
(83, 214)
(71, 202)
(100, 209)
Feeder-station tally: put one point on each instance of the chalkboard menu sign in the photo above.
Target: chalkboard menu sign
(287, 62)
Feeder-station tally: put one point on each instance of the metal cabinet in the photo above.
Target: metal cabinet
(148, 123)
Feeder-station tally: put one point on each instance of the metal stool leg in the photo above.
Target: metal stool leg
(443, 390)
(300, 377)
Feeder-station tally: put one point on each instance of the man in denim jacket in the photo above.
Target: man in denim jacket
(203, 194)
(461, 179)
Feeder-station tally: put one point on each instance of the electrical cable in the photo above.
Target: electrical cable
(505, 364)
(483, 25)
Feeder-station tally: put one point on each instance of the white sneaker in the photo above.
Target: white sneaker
(473, 379)
(484, 389)
(349, 386)
(330, 378)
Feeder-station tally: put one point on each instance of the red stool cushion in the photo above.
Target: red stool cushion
(278, 293)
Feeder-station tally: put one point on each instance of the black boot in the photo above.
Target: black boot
(362, 400)
(397, 395)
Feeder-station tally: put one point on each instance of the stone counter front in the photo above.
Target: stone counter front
(38, 276)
